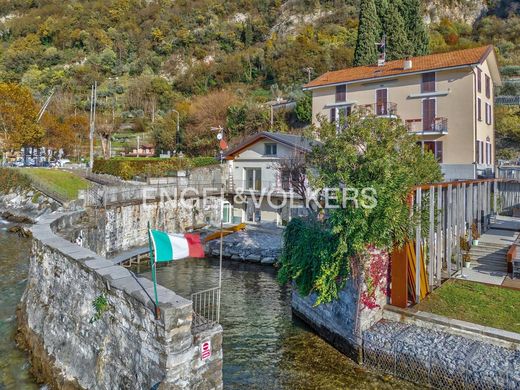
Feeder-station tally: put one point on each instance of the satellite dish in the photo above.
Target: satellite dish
(219, 136)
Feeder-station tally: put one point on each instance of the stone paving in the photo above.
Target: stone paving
(438, 358)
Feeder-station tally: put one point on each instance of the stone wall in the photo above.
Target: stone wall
(124, 346)
(119, 227)
(359, 306)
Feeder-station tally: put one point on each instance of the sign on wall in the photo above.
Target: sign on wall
(205, 350)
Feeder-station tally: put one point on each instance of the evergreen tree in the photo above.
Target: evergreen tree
(369, 33)
(416, 30)
(397, 44)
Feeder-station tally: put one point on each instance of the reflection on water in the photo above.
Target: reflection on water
(14, 260)
(264, 347)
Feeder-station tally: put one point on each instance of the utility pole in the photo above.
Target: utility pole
(178, 134)
(93, 103)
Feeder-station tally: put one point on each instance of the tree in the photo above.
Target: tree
(369, 33)
(106, 126)
(303, 108)
(18, 117)
(417, 32)
(507, 124)
(370, 169)
(206, 112)
(397, 44)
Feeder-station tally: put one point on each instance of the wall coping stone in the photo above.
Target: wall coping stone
(118, 277)
(499, 334)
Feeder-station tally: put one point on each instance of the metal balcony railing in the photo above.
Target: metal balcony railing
(438, 125)
(379, 109)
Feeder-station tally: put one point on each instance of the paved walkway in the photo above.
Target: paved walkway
(488, 259)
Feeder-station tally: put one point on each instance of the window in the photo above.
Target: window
(428, 82)
(479, 80)
(479, 149)
(488, 153)
(286, 179)
(270, 149)
(253, 179)
(434, 147)
(488, 114)
(339, 115)
(479, 109)
(488, 87)
(341, 93)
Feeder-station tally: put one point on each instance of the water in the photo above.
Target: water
(14, 260)
(264, 347)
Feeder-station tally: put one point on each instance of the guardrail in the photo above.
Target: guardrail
(437, 125)
(206, 308)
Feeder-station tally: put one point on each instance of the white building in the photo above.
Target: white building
(260, 188)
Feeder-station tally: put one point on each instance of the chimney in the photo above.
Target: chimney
(408, 64)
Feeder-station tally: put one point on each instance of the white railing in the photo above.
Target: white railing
(206, 308)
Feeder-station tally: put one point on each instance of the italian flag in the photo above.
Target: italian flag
(168, 247)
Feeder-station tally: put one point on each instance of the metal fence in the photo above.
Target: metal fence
(448, 212)
(206, 308)
(427, 366)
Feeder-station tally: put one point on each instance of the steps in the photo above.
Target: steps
(489, 257)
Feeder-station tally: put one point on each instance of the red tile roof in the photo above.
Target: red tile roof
(391, 68)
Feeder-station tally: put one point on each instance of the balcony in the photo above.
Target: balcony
(387, 109)
(438, 126)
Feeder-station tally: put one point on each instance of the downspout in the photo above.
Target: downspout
(475, 109)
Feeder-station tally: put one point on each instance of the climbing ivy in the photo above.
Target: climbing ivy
(365, 153)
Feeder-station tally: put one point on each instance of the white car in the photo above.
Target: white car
(61, 163)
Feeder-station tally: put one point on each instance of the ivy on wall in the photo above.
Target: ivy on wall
(366, 152)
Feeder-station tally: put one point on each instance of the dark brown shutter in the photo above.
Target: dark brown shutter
(479, 80)
(381, 102)
(341, 93)
(428, 114)
(428, 82)
(438, 151)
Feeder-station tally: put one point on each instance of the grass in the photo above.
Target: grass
(479, 303)
(65, 184)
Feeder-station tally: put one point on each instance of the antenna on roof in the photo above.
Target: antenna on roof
(381, 46)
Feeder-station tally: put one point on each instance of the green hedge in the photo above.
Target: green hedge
(129, 167)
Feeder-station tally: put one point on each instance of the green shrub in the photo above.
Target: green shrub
(129, 167)
(11, 179)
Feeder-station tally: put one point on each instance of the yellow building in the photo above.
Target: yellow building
(446, 99)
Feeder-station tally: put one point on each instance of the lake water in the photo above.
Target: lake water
(264, 347)
(14, 260)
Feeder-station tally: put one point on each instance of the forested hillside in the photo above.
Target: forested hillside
(214, 62)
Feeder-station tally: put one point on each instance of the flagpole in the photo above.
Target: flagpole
(153, 264)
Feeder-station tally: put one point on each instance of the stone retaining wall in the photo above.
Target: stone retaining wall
(343, 321)
(124, 346)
